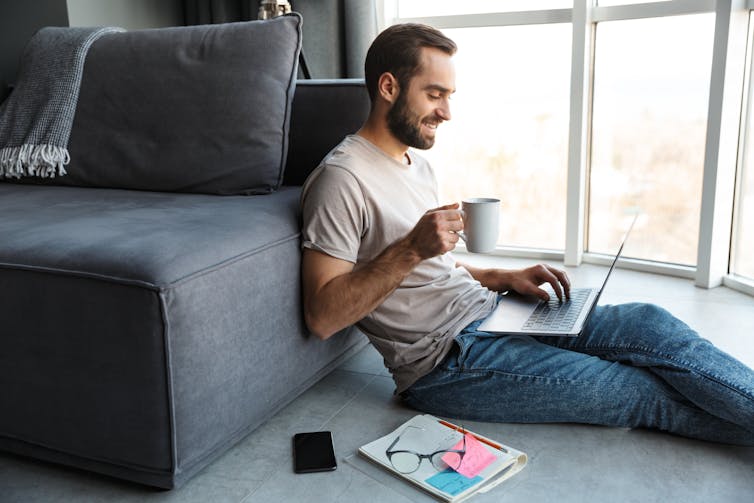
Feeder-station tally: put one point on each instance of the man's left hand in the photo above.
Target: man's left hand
(524, 281)
(527, 281)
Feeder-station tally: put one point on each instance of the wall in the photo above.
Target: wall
(323, 36)
(20, 19)
(129, 14)
(328, 26)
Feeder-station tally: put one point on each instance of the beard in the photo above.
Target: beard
(406, 125)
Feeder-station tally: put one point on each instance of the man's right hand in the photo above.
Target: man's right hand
(436, 232)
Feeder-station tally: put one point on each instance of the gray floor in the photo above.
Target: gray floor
(566, 462)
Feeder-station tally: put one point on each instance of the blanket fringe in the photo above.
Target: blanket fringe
(44, 161)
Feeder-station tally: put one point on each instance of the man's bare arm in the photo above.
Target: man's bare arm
(337, 295)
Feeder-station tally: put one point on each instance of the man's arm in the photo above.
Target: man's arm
(337, 295)
(524, 281)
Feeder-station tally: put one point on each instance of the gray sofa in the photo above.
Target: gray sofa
(144, 332)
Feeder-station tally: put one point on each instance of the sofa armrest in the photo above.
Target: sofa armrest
(324, 112)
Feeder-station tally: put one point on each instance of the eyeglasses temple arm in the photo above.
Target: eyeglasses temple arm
(393, 444)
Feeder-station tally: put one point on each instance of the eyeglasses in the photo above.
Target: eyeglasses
(406, 461)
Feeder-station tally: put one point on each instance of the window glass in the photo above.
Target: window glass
(508, 137)
(742, 258)
(651, 90)
(743, 237)
(422, 8)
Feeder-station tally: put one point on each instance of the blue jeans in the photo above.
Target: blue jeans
(635, 365)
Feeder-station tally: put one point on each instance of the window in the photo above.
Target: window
(509, 134)
(651, 90)
(742, 252)
(743, 233)
(654, 98)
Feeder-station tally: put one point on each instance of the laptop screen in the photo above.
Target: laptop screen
(617, 256)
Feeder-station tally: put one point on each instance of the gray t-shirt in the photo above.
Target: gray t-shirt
(357, 203)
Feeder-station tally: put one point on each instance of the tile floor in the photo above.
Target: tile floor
(567, 463)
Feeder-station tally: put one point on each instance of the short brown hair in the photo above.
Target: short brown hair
(396, 50)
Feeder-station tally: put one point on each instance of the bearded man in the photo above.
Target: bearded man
(376, 243)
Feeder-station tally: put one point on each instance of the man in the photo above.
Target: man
(376, 255)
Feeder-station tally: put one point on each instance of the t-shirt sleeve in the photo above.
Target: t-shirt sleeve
(334, 213)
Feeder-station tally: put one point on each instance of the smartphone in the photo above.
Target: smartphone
(313, 452)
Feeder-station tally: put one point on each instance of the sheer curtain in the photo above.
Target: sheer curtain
(337, 33)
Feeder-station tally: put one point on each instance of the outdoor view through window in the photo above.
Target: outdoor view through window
(509, 134)
(742, 262)
(651, 92)
(743, 234)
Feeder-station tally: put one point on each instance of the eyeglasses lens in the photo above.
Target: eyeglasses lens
(405, 462)
(444, 460)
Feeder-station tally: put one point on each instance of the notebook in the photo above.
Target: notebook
(485, 464)
(519, 314)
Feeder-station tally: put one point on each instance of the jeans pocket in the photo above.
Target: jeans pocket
(464, 342)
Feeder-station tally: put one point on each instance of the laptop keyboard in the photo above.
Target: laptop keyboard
(556, 316)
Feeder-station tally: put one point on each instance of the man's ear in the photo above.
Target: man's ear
(387, 87)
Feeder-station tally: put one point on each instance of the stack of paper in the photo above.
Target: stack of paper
(485, 464)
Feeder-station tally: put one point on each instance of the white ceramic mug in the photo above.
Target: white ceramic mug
(481, 221)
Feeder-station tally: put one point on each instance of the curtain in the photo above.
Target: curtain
(219, 11)
(337, 33)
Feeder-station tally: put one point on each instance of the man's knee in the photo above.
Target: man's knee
(636, 312)
(652, 312)
(640, 319)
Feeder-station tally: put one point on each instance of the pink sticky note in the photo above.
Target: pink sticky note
(476, 459)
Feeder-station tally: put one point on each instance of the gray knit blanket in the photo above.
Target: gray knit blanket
(36, 119)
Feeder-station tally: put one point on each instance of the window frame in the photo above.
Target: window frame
(729, 67)
(732, 280)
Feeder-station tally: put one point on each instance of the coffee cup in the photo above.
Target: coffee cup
(481, 220)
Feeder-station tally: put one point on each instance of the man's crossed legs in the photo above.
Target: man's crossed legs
(635, 365)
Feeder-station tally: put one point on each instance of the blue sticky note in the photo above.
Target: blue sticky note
(452, 482)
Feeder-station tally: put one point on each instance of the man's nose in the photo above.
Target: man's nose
(443, 112)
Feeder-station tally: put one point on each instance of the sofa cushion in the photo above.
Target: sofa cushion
(148, 238)
(201, 109)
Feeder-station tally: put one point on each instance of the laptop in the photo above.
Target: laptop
(519, 314)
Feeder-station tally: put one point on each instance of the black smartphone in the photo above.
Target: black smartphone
(313, 452)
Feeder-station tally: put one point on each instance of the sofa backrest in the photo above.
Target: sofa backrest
(124, 150)
(203, 109)
(324, 112)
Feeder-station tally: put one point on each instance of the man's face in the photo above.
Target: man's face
(422, 105)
